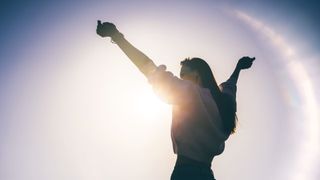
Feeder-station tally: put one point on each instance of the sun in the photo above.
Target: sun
(149, 105)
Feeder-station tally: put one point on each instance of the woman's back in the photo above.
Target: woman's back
(197, 128)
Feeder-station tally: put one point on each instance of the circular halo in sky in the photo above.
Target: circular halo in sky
(72, 104)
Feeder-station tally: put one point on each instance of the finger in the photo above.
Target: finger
(99, 23)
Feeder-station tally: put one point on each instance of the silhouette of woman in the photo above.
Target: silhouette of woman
(203, 113)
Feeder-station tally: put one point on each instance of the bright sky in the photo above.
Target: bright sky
(74, 107)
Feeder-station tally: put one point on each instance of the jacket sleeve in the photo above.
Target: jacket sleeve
(168, 87)
(229, 87)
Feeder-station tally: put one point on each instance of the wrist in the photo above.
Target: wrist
(117, 36)
(238, 68)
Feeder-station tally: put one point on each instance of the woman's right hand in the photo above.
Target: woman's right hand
(106, 29)
(245, 62)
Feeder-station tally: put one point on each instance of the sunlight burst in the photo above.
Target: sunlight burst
(148, 104)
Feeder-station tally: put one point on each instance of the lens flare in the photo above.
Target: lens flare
(300, 79)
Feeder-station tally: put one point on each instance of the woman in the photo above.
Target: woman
(203, 113)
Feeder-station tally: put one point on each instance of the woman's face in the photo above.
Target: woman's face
(187, 73)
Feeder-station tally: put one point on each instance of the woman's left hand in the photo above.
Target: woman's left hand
(245, 62)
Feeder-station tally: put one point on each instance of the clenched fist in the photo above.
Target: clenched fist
(245, 62)
(106, 29)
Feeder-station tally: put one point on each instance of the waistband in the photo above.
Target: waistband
(186, 161)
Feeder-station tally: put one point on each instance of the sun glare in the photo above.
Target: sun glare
(148, 104)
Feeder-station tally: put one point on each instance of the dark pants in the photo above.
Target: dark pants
(192, 172)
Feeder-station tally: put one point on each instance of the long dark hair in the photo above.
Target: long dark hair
(225, 102)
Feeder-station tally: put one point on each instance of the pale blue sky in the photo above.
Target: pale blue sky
(73, 106)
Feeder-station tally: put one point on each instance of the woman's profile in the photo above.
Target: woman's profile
(203, 112)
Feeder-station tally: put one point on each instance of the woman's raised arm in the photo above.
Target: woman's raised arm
(243, 63)
(144, 64)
